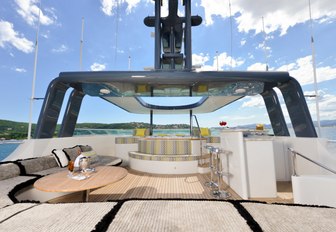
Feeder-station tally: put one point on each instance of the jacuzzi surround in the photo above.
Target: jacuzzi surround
(167, 155)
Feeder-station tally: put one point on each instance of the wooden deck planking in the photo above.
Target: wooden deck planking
(156, 186)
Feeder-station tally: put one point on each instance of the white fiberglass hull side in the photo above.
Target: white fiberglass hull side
(315, 190)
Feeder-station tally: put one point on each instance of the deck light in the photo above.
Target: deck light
(104, 91)
(240, 91)
(138, 76)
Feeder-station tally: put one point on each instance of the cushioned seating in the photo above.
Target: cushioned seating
(206, 133)
(7, 186)
(10, 180)
(19, 174)
(107, 160)
(12, 210)
(213, 139)
(38, 164)
(9, 170)
(49, 171)
(88, 151)
(56, 217)
(202, 131)
(73, 152)
(141, 132)
(126, 140)
(165, 147)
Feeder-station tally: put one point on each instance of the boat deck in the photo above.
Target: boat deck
(139, 185)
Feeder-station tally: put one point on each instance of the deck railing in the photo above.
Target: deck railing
(295, 153)
(198, 127)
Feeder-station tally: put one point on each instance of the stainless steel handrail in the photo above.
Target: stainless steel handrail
(305, 157)
(200, 161)
(199, 129)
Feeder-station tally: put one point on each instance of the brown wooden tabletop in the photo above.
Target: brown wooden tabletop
(60, 182)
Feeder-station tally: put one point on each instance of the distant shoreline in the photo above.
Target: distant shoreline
(11, 130)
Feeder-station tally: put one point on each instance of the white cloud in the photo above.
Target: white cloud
(278, 15)
(224, 61)
(97, 67)
(61, 49)
(214, 8)
(199, 60)
(302, 70)
(107, 6)
(257, 67)
(131, 4)
(20, 70)
(327, 105)
(30, 11)
(9, 36)
(254, 101)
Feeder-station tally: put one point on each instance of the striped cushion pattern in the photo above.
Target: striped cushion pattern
(165, 147)
(171, 158)
(126, 140)
(213, 139)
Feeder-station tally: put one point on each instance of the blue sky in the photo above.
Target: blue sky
(114, 30)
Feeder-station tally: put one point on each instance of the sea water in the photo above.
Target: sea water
(7, 148)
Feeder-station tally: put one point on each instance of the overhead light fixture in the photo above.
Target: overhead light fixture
(104, 91)
(240, 91)
(138, 76)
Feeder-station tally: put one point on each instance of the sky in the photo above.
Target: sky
(238, 35)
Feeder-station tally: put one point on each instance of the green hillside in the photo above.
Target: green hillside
(13, 130)
(18, 130)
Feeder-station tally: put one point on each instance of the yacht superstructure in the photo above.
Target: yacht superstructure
(249, 162)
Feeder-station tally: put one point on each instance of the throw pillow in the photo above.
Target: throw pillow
(205, 132)
(61, 158)
(140, 132)
(85, 148)
(72, 152)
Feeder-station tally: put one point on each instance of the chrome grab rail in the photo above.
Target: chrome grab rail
(200, 161)
(315, 162)
(199, 129)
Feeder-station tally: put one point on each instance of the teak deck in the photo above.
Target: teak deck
(155, 186)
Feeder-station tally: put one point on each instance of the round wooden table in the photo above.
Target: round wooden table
(61, 182)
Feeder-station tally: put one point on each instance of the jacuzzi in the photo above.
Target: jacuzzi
(167, 155)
